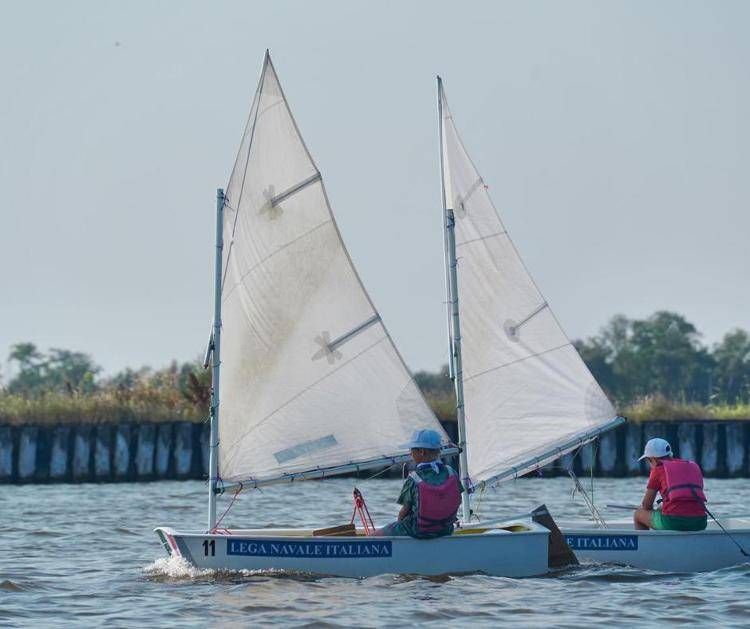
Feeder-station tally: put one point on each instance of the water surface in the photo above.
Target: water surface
(85, 555)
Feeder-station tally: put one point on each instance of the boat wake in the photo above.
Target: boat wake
(176, 569)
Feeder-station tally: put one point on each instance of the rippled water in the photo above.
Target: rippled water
(85, 555)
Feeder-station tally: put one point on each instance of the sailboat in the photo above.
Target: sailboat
(524, 395)
(307, 382)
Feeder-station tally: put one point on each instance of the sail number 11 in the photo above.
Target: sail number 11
(209, 544)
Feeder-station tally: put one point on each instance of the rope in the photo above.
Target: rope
(736, 543)
(216, 528)
(383, 471)
(360, 507)
(594, 446)
(589, 503)
(705, 508)
(475, 510)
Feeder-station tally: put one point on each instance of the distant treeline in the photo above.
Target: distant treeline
(651, 368)
(654, 368)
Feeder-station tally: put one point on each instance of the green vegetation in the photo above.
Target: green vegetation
(658, 407)
(662, 355)
(654, 368)
(62, 387)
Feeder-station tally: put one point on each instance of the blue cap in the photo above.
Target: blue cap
(425, 438)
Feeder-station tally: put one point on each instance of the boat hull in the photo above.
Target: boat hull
(496, 552)
(664, 551)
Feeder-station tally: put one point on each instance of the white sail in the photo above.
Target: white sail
(528, 395)
(310, 378)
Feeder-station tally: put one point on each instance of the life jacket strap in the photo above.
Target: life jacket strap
(691, 486)
(442, 521)
(418, 479)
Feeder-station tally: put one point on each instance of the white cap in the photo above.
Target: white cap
(656, 448)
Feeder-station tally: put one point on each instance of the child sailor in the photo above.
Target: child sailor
(680, 484)
(431, 494)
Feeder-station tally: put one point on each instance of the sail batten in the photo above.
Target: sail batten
(310, 378)
(526, 389)
(274, 201)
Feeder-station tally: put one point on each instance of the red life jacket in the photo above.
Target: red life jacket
(437, 504)
(684, 481)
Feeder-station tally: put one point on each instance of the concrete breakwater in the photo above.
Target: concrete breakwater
(179, 450)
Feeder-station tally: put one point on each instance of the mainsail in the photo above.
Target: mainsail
(310, 379)
(528, 396)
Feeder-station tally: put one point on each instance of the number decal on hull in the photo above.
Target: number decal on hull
(209, 544)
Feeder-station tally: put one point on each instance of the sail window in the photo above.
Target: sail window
(306, 447)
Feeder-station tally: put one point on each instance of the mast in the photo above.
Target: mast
(454, 324)
(215, 345)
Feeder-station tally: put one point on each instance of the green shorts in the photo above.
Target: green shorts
(661, 522)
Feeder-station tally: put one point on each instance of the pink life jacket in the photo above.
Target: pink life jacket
(684, 481)
(437, 504)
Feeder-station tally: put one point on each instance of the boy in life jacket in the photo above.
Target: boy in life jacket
(680, 484)
(431, 494)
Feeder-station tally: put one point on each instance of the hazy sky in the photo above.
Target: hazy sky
(614, 137)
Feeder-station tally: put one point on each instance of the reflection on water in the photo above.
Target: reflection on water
(85, 554)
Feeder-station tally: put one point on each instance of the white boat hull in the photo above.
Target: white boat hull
(496, 552)
(664, 551)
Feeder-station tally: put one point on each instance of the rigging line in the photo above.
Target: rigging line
(475, 511)
(225, 268)
(271, 255)
(256, 102)
(298, 395)
(597, 517)
(594, 448)
(223, 515)
(468, 242)
(513, 362)
(383, 471)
